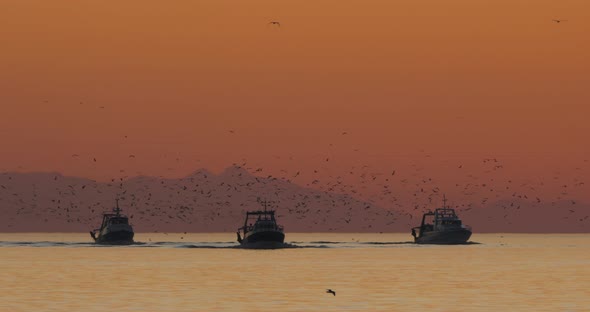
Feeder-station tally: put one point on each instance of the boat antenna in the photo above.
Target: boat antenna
(117, 209)
(265, 204)
(444, 201)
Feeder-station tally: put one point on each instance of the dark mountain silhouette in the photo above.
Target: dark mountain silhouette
(207, 202)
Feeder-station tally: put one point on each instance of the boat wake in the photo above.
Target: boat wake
(219, 245)
(46, 244)
(356, 243)
(252, 246)
(388, 243)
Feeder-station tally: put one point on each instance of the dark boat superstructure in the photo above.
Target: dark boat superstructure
(442, 226)
(115, 229)
(264, 232)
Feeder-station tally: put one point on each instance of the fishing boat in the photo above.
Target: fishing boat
(264, 232)
(442, 226)
(115, 229)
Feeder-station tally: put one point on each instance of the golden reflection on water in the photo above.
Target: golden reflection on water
(506, 272)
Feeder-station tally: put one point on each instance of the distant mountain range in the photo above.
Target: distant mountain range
(207, 202)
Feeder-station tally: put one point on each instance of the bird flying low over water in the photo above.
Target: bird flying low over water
(329, 291)
(275, 23)
(559, 21)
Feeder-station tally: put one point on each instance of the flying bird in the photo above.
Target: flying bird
(559, 21)
(329, 291)
(275, 23)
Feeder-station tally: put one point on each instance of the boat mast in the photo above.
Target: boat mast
(117, 210)
(265, 203)
(266, 212)
(444, 201)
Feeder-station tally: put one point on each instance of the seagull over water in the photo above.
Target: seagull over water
(329, 291)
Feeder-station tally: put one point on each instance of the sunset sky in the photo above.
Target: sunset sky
(166, 81)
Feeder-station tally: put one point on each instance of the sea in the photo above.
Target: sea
(369, 272)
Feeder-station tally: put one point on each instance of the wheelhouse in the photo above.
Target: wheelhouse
(263, 220)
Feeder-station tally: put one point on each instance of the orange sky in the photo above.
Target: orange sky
(457, 79)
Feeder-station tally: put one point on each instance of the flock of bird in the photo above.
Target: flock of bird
(358, 198)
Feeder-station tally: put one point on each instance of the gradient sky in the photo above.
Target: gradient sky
(451, 80)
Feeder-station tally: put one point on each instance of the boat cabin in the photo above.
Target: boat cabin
(114, 218)
(441, 219)
(263, 220)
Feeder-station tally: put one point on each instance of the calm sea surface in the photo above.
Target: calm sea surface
(369, 272)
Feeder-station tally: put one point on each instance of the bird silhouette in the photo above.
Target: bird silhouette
(559, 21)
(329, 291)
(275, 23)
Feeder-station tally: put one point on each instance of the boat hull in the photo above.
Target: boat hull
(261, 237)
(116, 238)
(448, 237)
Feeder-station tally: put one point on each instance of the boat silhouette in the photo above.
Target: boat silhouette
(114, 229)
(442, 226)
(264, 232)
